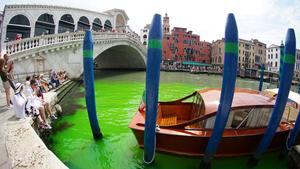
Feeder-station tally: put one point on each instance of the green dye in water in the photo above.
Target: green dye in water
(118, 95)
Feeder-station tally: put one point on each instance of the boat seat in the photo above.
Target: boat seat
(168, 120)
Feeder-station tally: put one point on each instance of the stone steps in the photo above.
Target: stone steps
(64, 90)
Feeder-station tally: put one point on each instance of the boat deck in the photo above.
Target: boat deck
(170, 119)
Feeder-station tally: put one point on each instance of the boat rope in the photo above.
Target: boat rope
(157, 128)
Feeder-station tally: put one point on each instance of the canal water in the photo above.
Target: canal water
(118, 95)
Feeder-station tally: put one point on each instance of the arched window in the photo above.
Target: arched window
(44, 25)
(107, 25)
(97, 25)
(83, 24)
(145, 36)
(19, 20)
(66, 24)
(19, 24)
(145, 43)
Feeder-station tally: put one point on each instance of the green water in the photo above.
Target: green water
(118, 95)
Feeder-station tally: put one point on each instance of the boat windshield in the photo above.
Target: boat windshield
(240, 118)
(197, 106)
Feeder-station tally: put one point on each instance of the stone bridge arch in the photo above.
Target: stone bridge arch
(120, 55)
(64, 52)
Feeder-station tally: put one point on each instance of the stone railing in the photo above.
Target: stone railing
(18, 46)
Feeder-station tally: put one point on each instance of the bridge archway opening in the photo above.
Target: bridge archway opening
(44, 25)
(107, 25)
(66, 24)
(83, 24)
(120, 57)
(97, 25)
(19, 24)
(120, 23)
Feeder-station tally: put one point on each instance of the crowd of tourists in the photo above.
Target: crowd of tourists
(28, 99)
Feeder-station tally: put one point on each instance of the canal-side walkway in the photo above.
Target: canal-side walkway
(5, 162)
(20, 146)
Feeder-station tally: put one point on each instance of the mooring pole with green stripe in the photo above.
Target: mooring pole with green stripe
(154, 53)
(283, 92)
(281, 60)
(88, 72)
(228, 85)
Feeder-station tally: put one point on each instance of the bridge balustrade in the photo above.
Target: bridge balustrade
(22, 45)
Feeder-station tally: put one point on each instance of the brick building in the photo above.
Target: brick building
(205, 51)
(181, 45)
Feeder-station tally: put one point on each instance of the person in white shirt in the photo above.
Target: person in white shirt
(19, 101)
(34, 101)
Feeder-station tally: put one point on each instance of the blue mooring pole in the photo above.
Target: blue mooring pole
(294, 133)
(88, 72)
(154, 53)
(261, 80)
(284, 88)
(228, 85)
(281, 59)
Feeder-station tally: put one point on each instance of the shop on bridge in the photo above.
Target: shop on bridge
(44, 25)
(83, 24)
(66, 24)
(97, 25)
(19, 26)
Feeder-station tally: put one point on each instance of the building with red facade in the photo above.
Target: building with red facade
(205, 52)
(181, 45)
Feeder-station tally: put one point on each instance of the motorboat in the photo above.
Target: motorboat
(184, 126)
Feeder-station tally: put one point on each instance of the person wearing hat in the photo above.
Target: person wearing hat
(19, 101)
(20, 104)
(44, 83)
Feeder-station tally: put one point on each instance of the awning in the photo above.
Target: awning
(195, 63)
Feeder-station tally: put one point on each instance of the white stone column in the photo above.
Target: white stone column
(32, 30)
(56, 19)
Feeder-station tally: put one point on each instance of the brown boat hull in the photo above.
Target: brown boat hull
(196, 145)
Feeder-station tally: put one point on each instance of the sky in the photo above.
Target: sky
(265, 20)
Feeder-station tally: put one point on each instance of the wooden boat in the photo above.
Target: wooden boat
(185, 125)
